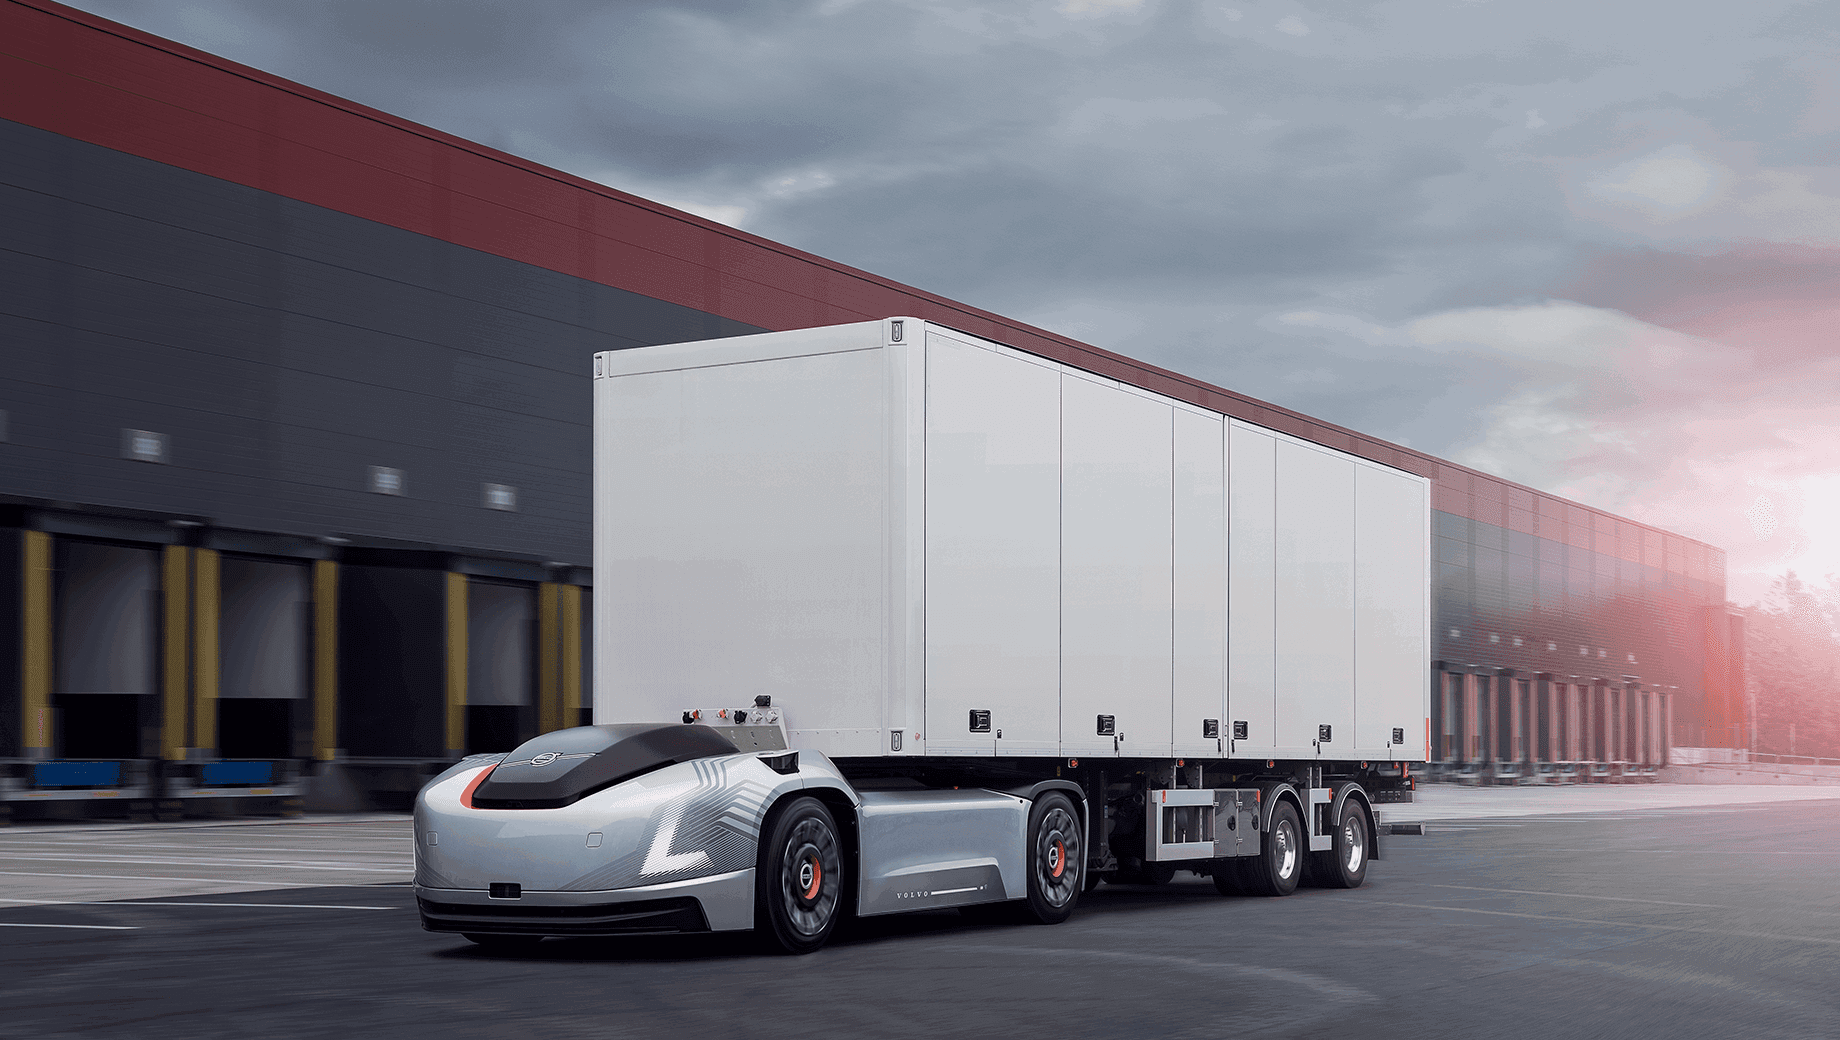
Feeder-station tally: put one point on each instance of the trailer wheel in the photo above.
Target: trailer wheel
(1279, 864)
(798, 888)
(1057, 858)
(1344, 864)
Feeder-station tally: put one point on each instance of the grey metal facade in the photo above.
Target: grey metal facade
(283, 349)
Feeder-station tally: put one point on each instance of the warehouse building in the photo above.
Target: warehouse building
(294, 455)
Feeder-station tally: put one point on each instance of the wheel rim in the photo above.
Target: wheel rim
(1057, 857)
(1354, 841)
(1284, 839)
(808, 876)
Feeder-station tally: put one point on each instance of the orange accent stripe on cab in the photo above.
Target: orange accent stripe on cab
(466, 796)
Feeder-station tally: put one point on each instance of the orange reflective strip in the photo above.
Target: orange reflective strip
(466, 796)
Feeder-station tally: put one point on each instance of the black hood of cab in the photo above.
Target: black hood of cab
(560, 768)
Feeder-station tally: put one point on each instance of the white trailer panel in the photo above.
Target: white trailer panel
(1200, 555)
(993, 506)
(1116, 572)
(1252, 654)
(741, 538)
(1391, 582)
(1315, 602)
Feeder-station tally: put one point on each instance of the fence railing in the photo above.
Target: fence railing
(1699, 756)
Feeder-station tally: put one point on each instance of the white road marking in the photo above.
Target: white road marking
(96, 927)
(1572, 895)
(142, 902)
(201, 847)
(169, 861)
(154, 877)
(1600, 922)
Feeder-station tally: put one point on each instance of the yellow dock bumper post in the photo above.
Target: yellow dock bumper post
(35, 722)
(456, 665)
(549, 692)
(175, 659)
(325, 660)
(571, 655)
(206, 592)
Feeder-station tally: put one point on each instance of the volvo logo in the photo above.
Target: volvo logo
(549, 756)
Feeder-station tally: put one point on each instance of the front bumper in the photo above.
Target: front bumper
(724, 902)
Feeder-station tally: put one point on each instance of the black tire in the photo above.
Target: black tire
(798, 886)
(1278, 867)
(1056, 858)
(1344, 864)
(501, 943)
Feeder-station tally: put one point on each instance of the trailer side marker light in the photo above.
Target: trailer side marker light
(466, 796)
(1073, 763)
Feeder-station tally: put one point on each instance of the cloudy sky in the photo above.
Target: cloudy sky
(1592, 247)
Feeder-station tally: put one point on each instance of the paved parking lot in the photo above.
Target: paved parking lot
(1454, 802)
(1697, 920)
(78, 862)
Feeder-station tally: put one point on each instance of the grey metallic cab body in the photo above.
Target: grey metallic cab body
(676, 846)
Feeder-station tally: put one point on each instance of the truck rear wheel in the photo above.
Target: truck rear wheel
(1057, 858)
(798, 887)
(1344, 864)
(1279, 864)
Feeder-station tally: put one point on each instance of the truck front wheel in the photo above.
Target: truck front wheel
(798, 887)
(1057, 858)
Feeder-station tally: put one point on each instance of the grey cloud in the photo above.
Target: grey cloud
(1187, 174)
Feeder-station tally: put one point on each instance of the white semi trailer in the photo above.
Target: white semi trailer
(888, 617)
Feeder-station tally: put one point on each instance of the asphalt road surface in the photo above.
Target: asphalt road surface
(1705, 921)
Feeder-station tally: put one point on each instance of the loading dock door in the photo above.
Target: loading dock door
(107, 599)
(500, 677)
(263, 635)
